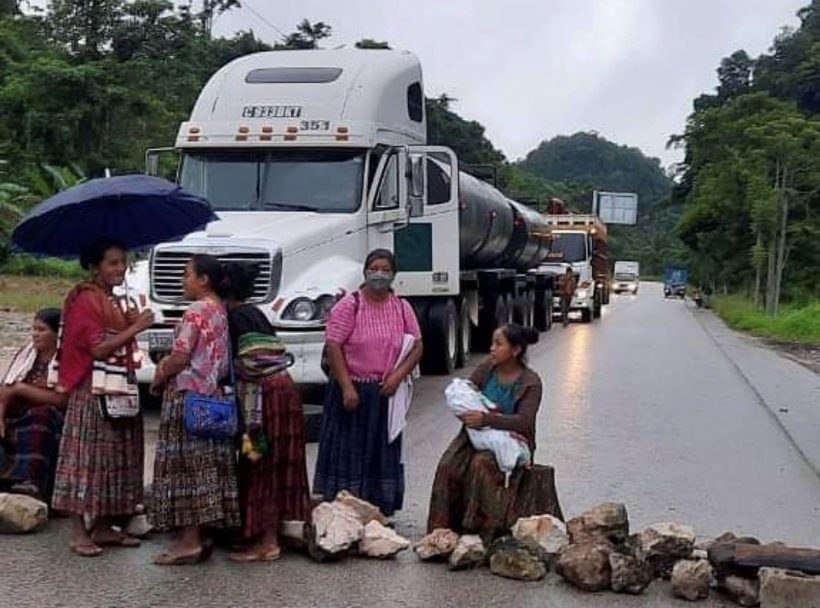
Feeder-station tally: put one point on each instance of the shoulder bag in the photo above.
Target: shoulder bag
(213, 416)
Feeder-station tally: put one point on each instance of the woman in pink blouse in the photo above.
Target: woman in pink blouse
(194, 479)
(364, 338)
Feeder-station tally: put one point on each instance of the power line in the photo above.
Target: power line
(261, 18)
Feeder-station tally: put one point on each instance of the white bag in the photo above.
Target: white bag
(509, 451)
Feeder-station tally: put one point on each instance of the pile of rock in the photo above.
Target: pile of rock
(348, 525)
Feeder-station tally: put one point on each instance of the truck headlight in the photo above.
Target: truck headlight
(301, 309)
(582, 294)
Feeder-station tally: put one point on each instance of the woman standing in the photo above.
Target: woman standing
(99, 470)
(364, 337)
(31, 413)
(469, 494)
(273, 481)
(194, 479)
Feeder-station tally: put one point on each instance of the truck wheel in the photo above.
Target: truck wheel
(541, 310)
(510, 302)
(465, 334)
(530, 321)
(596, 306)
(548, 309)
(586, 315)
(441, 338)
(313, 422)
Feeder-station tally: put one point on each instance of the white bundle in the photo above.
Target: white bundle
(509, 451)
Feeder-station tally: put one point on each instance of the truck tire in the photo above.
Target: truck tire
(465, 334)
(597, 305)
(510, 309)
(313, 422)
(491, 314)
(586, 315)
(440, 337)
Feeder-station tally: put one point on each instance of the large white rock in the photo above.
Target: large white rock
(788, 589)
(337, 526)
(366, 511)
(691, 579)
(438, 544)
(544, 531)
(382, 542)
(470, 552)
(20, 514)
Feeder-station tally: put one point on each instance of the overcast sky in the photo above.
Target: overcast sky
(532, 69)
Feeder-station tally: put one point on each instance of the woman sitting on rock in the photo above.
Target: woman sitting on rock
(31, 413)
(469, 493)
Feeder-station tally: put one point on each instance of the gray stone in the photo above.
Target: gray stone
(666, 543)
(511, 558)
(364, 510)
(544, 532)
(470, 552)
(788, 589)
(439, 544)
(20, 514)
(337, 527)
(381, 542)
(691, 579)
(630, 574)
(743, 591)
(605, 522)
(586, 565)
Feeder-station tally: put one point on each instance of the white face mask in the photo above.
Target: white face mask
(378, 280)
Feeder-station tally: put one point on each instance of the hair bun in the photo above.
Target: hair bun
(531, 334)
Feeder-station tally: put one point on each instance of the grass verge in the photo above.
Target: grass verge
(793, 324)
(30, 294)
(26, 265)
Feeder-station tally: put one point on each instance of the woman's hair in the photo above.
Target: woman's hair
(209, 266)
(239, 279)
(521, 337)
(49, 316)
(380, 254)
(94, 253)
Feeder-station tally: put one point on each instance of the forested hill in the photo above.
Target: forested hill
(588, 158)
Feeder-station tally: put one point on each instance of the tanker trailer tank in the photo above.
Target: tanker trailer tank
(486, 223)
(529, 245)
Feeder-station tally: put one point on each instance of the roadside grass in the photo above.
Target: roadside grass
(793, 324)
(26, 265)
(30, 294)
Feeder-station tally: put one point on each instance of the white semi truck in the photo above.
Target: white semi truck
(312, 158)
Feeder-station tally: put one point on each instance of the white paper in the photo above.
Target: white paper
(399, 403)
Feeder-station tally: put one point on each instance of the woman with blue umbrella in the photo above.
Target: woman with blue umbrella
(100, 467)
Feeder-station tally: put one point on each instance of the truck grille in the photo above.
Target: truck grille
(167, 268)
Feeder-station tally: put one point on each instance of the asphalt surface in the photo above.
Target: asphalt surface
(656, 405)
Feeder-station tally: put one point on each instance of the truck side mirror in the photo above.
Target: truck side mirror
(416, 176)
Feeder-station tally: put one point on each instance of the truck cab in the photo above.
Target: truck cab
(626, 277)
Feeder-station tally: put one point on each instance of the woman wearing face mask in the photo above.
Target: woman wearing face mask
(364, 337)
(469, 493)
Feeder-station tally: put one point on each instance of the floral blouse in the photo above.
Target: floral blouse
(203, 335)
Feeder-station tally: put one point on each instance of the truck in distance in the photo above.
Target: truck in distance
(626, 277)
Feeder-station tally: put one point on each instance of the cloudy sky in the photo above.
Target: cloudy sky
(532, 69)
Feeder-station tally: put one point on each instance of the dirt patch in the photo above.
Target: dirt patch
(806, 355)
(14, 332)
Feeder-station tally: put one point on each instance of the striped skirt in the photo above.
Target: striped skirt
(353, 451)
(99, 470)
(194, 479)
(275, 488)
(28, 452)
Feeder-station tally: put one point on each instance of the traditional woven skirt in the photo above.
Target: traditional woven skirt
(194, 479)
(469, 496)
(28, 453)
(353, 451)
(275, 488)
(99, 470)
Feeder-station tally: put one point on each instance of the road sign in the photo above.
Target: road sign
(616, 207)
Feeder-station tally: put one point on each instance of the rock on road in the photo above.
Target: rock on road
(644, 407)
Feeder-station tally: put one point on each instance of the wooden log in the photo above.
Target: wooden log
(747, 559)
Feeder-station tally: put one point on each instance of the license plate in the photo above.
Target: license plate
(160, 341)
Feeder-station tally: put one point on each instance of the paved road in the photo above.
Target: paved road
(643, 407)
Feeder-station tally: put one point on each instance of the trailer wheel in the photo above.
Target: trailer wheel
(542, 313)
(530, 308)
(441, 338)
(586, 315)
(465, 334)
(596, 306)
(510, 309)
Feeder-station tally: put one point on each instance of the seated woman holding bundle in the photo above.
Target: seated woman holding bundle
(31, 413)
(469, 492)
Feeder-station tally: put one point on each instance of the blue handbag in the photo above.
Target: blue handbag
(212, 416)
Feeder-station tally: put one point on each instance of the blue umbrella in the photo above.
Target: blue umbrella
(137, 210)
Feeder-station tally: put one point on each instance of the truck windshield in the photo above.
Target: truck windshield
(624, 276)
(326, 181)
(567, 247)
